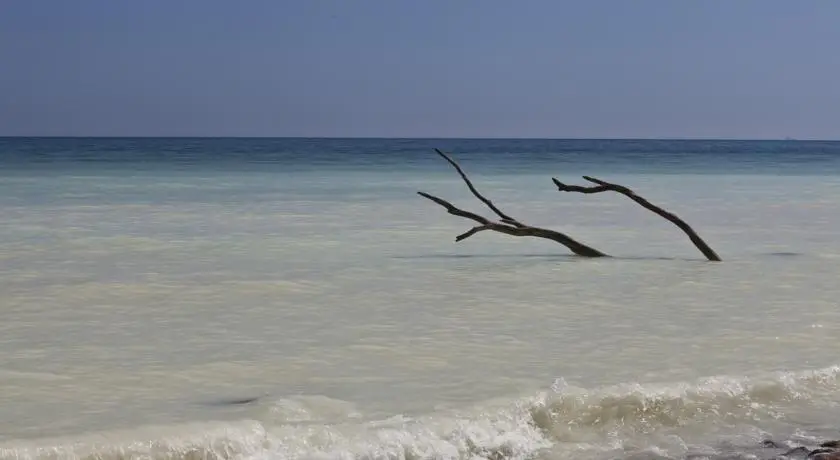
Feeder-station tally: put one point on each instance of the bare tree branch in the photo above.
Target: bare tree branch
(603, 186)
(508, 225)
(505, 218)
(471, 232)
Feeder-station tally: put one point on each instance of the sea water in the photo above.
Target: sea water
(296, 299)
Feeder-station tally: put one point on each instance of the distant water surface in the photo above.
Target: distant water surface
(295, 298)
(408, 155)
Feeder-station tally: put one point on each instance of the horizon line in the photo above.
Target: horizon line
(728, 139)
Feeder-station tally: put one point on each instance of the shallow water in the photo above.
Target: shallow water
(145, 307)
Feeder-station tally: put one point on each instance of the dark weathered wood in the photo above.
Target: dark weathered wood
(505, 218)
(513, 230)
(511, 226)
(603, 186)
(508, 225)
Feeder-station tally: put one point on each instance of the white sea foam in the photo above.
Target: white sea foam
(647, 420)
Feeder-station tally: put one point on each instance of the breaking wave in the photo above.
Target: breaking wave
(668, 420)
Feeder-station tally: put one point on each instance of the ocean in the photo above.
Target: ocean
(297, 299)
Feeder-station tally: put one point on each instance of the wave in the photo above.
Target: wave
(667, 420)
(671, 404)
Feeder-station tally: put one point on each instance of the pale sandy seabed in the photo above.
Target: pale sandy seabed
(130, 321)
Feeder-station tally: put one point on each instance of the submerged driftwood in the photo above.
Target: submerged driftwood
(510, 226)
(603, 186)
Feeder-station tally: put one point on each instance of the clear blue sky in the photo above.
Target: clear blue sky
(424, 68)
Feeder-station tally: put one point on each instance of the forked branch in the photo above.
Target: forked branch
(504, 217)
(507, 225)
(510, 226)
(603, 186)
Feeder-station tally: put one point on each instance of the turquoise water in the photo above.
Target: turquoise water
(148, 284)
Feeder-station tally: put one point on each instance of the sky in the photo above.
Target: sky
(754, 69)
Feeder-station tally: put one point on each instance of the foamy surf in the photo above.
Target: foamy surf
(712, 417)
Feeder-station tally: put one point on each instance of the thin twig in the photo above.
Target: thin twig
(505, 218)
